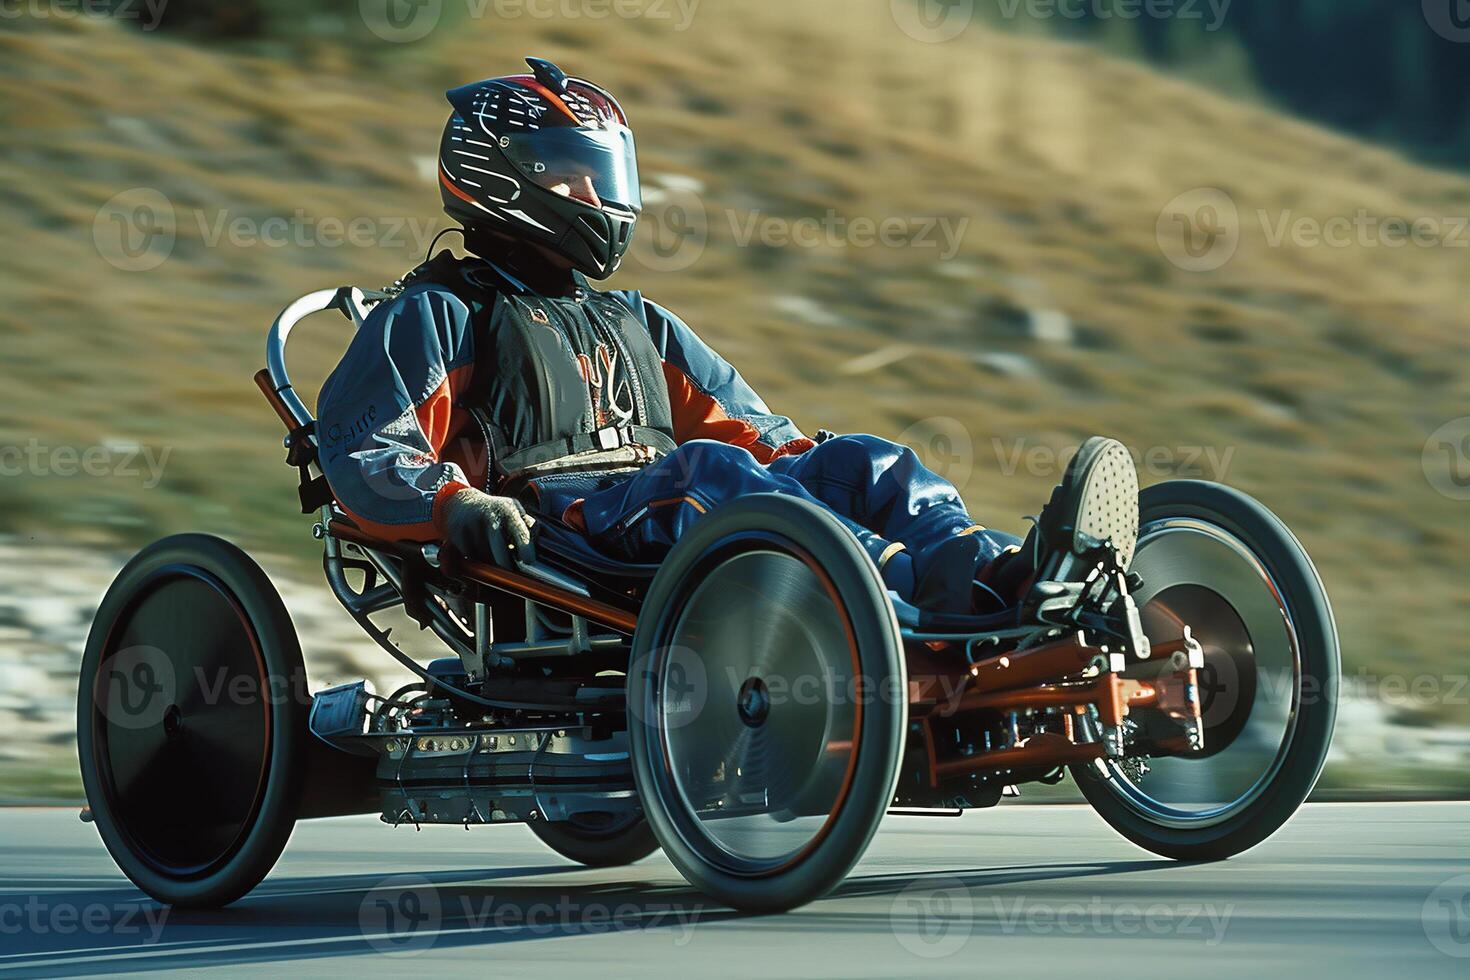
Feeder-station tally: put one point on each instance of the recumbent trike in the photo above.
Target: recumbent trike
(754, 705)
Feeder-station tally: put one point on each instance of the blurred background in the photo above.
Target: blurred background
(1234, 233)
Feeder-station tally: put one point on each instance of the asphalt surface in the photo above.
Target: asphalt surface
(1346, 890)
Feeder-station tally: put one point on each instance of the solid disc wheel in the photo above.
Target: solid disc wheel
(1219, 562)
(191, 719)
(598, 840)
(767, 703)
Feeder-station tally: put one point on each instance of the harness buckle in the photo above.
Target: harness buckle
(610, 438)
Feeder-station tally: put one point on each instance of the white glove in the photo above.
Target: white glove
(480, 526)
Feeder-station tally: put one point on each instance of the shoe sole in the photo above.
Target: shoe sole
(1097, 499)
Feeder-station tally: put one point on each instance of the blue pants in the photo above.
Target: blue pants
(897, 508)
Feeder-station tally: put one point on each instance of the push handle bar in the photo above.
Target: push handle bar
(277, 384)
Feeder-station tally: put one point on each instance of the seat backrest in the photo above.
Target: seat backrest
(275, 382)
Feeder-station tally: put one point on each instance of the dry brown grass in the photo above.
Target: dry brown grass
(1322, 370)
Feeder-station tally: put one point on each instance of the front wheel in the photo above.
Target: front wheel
(191, 721)
(1219, 562)
(767, 703)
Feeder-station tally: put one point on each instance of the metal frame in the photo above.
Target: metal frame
(1062, 672)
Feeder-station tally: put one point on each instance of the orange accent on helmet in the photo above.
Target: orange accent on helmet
(533, 83)
(450, 186)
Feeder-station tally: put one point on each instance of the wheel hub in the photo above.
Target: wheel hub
(173, 721)
(753, 703)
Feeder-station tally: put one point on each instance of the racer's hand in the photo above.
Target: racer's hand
(481, 526)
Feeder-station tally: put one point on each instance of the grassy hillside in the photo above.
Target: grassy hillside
(1311, 376)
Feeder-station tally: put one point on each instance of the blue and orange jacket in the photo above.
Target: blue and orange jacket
(396, 439)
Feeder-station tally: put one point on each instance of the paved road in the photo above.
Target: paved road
(1346, 890)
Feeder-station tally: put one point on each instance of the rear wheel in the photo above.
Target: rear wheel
(1218, 561)
(191, 721)
(598, 840)
(767, 703)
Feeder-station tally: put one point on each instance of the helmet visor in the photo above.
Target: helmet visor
(595, 166)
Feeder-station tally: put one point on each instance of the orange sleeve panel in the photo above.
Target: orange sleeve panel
(698, 415)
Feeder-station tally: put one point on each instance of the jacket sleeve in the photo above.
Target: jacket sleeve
(709, 397)
(387, 411)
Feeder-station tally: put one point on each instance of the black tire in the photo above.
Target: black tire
(598, 840)
(191, 722)
(1185, 520)
(766, 797)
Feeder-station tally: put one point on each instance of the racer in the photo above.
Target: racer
(501, 387)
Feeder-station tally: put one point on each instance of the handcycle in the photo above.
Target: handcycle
(753, 705)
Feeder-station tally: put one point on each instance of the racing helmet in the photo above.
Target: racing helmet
(545, 158)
